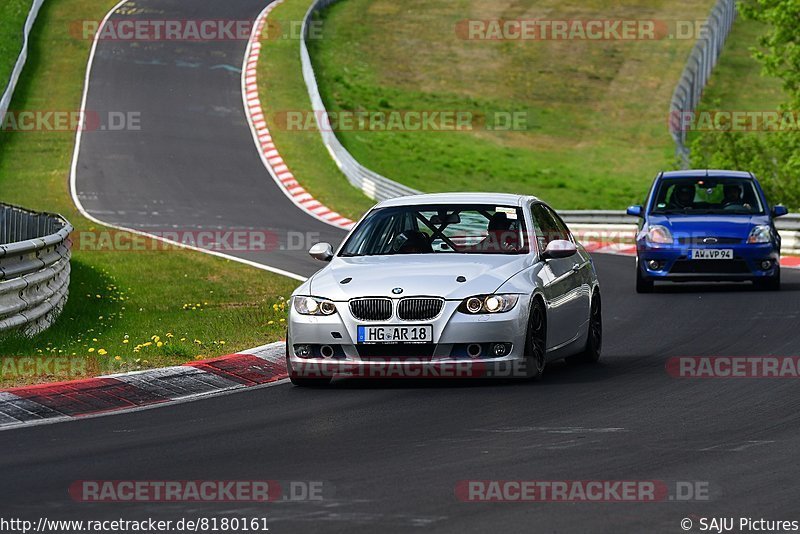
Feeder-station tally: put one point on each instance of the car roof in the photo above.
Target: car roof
(708, 173)
(502, 199)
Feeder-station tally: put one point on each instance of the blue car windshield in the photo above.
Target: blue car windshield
(440, 229)
(703, 195)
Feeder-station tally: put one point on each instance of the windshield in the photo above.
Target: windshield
(696, 196)
(441, 229)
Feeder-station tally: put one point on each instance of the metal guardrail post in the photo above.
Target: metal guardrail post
(702, 60)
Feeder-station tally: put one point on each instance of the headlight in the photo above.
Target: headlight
(760, 234)
(313, 306)
(659, 234)
(488, 304)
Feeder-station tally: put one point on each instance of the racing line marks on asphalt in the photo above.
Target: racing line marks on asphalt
(46, 403)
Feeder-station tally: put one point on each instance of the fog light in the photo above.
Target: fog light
(654, 265)
(499, 349)
(474, 350)
(303, 351)
(766, 265)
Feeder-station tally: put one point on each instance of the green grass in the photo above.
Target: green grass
(193, 302)
(12, 21)
(597, 110)
(737, 83)
(304, 151)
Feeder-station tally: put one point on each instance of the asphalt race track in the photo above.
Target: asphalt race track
(193, 164)
(390, 454)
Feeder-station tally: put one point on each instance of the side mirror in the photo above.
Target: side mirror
(635, 211)
(559, 249)
(779, 211)
(321, 252)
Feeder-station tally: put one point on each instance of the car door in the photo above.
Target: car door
(561, 279)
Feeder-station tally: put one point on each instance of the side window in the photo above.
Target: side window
(563, 231)
(546, 229)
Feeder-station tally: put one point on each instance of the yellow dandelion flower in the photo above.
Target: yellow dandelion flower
(91, 349)
(102, 352)
(126, 341)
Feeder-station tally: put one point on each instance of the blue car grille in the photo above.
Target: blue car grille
(710, 267)
(701, 240)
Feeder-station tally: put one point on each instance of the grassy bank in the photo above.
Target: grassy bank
(12, 21)
(596, 110)
(126, 310)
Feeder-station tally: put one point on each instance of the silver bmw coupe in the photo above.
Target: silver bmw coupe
(447, 285)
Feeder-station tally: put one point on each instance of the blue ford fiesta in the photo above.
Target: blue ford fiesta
(707, 226)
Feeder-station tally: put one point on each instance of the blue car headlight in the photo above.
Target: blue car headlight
(760, 234)
(659, 235)
(313, 305)
(488, 304)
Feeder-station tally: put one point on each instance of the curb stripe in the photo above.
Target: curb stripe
(63, 401)
(270, 155)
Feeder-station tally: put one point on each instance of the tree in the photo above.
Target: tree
(775, 156)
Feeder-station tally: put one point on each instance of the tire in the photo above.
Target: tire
(536, 341)
(594, 342)
(773, 283)
(303, 381)
(643, 285)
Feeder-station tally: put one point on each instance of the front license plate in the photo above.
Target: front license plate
(395, 334)
(712, 254)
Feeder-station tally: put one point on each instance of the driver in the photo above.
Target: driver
(683, 196)
(500, 237)
(733, 195)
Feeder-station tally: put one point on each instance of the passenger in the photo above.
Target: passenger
(682, 197)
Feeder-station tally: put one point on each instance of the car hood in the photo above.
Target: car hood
(416, 274)
(734, 226)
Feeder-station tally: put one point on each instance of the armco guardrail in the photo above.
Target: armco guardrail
(5, 100)
(34, 268)
(697, 71)
(373, 185)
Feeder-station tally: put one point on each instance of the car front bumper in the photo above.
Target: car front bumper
(446, 356)
(675, 263)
